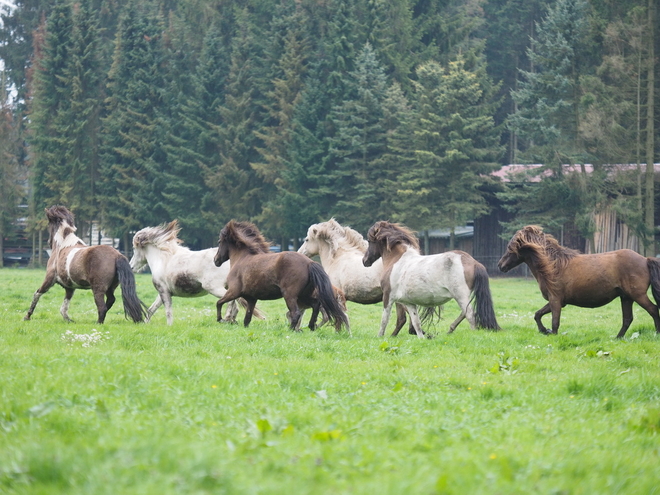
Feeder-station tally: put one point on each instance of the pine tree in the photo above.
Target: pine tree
(279, 215)
(359, 141)
(11, 192)
(81, 132)
(51, 177)
(457, 145)
(548, 97)
(235, 188)
(132, 152)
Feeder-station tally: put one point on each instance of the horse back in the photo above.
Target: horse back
(593, 280)
(427, 280)
(267, 275)
(87, 266)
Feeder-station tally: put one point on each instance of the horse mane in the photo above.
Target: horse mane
(392, 234)
(244, 235)
(61, 222)
(550, 258)
(331, 231)
(161, 236)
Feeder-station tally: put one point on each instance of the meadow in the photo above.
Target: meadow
(200, 407)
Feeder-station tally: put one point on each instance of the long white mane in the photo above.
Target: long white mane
(164, 236)
(335, 234)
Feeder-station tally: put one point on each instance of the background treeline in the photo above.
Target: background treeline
(288, 112)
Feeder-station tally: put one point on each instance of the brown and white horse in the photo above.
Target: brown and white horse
(256, 273)
(586, 280)
(415, 280)
(74, 265)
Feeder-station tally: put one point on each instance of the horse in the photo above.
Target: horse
(256, 273)
(416, 280)
(74, 265)
(341, 250)
(565, 276)
(178, 271)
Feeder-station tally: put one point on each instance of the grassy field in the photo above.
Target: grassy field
(200, 407)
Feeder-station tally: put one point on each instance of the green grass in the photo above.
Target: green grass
(200, 407)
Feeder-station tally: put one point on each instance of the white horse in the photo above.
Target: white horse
(341, 250)
(178, 271)
(415, 280)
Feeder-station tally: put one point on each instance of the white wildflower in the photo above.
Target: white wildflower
(85, 339)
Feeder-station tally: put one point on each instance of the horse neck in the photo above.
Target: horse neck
(392, 256)
(157, 258)
(543, 269)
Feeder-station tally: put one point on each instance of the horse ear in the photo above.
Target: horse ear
(315, 231)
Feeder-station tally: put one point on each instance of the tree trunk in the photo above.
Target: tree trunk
(650, 112)
(40, 247)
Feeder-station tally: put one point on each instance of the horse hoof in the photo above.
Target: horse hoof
(26, 318)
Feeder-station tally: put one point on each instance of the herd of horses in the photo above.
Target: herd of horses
(388, 266)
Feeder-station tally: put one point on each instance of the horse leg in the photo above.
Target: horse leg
(401, 321)
(101, 307)
(627, 313)
(467, 311)
(295, 314)
(232, 311)
(228, 297)
(110, 298)
(537, 317)
(48, 282)
(153, 308)
(650, 308)
(64, 309)
(385, 319)
(166, 299)
(251, 303)
(414, 318)
(555, 307)
(457, 322)
(315, 314)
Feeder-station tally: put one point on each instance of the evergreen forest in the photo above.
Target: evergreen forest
(289, 112)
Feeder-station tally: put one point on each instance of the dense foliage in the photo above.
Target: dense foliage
(289, 112)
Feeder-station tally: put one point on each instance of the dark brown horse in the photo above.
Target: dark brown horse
(415, 280)
(256, 273)
(587, 280)
(74, 265)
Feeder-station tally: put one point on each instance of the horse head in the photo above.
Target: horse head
(239, 236)
(326, 232)
(161, 237)
(385, 236)
(521, 244)
(61, 226)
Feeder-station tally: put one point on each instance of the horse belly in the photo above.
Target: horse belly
(421, 293)
(71, 274)
(186, 285)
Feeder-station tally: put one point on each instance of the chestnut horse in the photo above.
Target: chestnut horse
(587, 280)
(415, 280)
(256, 273)
(74, 265)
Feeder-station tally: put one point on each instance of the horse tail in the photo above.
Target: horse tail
(133, 307)
(484, 313)
(326, 296)
(654, 273)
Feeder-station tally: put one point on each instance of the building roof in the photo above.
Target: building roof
(517, 172)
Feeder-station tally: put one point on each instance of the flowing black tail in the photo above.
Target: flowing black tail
(484, 312)
(326, 295)
(654, 272)
(133, 307)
